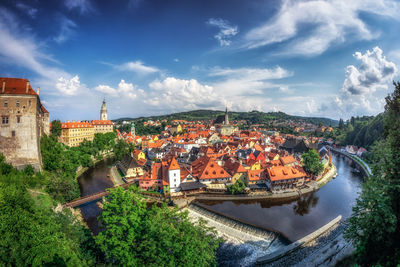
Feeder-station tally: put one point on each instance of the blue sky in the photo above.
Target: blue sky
(311, 58)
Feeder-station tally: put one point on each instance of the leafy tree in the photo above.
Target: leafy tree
(56, 128)
(311, 162)
(134, 235)
(375, 222)
(237, 188)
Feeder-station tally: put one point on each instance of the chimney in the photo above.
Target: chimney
(4, 87)
(38, 90)
(27, 87)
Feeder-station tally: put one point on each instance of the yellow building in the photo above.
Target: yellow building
(74, 133)
(179, 128)
(102, 126)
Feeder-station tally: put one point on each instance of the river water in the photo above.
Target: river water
(292, 218)
(295, 219)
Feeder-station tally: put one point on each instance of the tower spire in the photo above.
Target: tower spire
(226, 116)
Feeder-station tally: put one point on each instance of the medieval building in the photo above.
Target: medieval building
(103, 125)
(23, 121)
(226, 128)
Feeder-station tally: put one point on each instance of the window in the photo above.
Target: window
(174, 174)
(18, 119)
(6, 103)
(17, 104)
(13, 133)
(4, 120)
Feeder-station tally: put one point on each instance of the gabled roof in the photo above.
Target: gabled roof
(287, 160)
(207, 168)
(279, 173)
(173, 165)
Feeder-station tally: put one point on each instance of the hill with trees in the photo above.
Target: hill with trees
(253, 117)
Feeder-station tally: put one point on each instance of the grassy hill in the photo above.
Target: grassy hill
(253, 117)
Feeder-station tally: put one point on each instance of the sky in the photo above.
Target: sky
(332, 59)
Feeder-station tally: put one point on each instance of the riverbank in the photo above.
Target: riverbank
(293, 194)
(81, 170)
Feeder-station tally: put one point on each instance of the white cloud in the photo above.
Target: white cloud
(31, 11)
(124, 90)
(226, 31)
(251, 73)
(20, 48)
(327, 22)
(176, 59)
(67, 29)
(176, 94)
(373, 75)
(137, 67)
(69, 86)
(84, 6)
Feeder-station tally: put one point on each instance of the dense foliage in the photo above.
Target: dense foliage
(237, 188)
(134, 235)
(31, 233)
(375, 223)
(61, 162)
(311, 162)
(141, 129)
(253, 117)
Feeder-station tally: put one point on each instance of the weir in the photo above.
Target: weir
(240, 231)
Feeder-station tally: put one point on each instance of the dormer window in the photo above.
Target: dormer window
(6, 103)
(17, 104)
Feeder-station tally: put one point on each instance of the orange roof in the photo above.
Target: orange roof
(284, 173)
(102, 122)
(173, 165)
(255, 175)
(287, 160)
(68, 125)
(16, 86)
(207, 168)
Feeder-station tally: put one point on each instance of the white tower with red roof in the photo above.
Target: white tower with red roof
(174, 176)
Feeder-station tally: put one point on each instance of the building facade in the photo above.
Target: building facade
(23, 121)
(74, 133)
(103, 125)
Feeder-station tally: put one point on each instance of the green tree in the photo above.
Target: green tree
(374, 226)
(56, 128)
(134, 235)
(311, 162)
(237, 188)
(341, 124)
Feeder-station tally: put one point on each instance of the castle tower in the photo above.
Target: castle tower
(103, 111)
(226, 122)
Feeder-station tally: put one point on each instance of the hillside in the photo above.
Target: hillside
(253, 117)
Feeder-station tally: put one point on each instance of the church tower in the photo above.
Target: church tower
(133, 131)
(226, 122)
(103, 111)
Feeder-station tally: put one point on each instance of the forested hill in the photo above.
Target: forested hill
(253, 117)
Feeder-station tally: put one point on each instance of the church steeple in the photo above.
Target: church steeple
(103, 111)
(226, 122)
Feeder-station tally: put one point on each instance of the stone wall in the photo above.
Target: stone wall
(20, 138)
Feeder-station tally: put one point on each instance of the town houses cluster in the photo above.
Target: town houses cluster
(189, 157)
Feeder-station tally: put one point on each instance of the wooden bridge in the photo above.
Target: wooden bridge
(97, 196)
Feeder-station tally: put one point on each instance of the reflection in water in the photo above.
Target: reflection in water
(305, 203)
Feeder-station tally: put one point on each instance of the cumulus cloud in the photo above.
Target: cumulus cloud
(137, 67)
(373, 74)
(124, 90)
(226, 31)
(327, 22)
(67, 29)
(83, 6)
(69, 86)
(176, 94)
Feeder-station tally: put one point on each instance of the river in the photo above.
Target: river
(293, 219)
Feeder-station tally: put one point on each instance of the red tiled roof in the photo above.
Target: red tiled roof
(102, 122)
(16, 86)
(287, 160)
(284, 173)
(173, 165)
(68, 125)
(207, 168)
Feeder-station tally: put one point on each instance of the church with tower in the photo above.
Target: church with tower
(226, 128)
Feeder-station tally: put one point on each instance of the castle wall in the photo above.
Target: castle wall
(20, 137)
